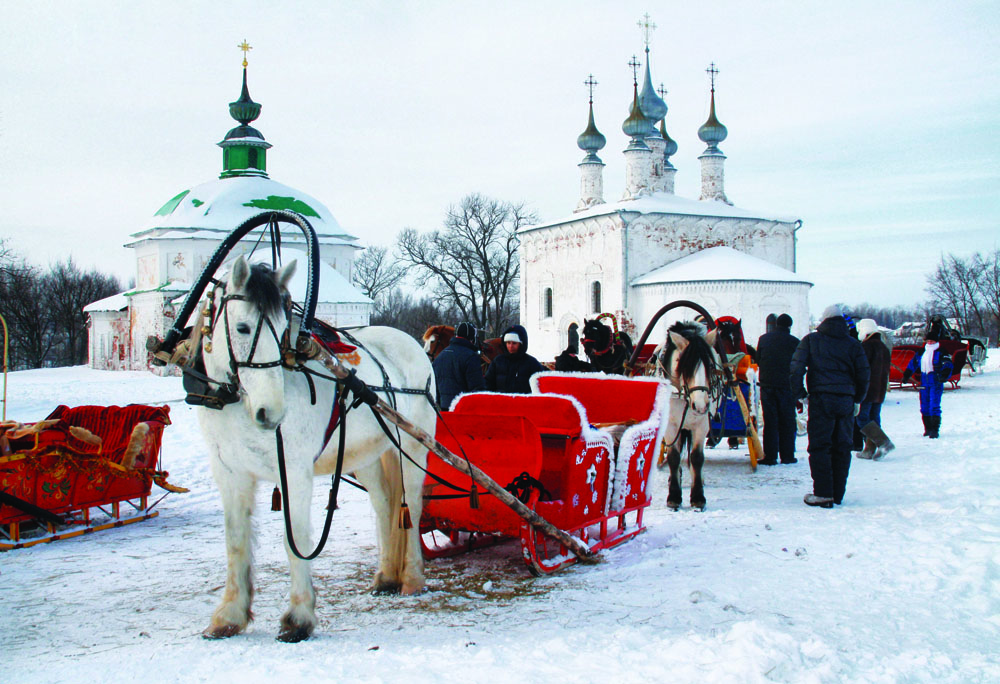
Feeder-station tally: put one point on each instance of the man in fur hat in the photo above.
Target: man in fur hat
(457, 369)
(837, 380)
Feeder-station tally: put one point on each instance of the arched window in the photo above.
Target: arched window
(547, 303)
(252, 155)
(595, 297)
(573, 338)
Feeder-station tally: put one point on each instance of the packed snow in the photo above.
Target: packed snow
(901, 583)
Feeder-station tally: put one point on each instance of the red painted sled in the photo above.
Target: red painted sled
(80, 470)
(578, 452)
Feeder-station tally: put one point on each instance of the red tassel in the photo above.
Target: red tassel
(404, 517)
(276, 499)
(473, 496)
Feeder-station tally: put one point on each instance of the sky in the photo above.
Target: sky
(875, 123)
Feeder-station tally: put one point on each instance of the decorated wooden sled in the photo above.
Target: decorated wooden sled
(577, 452)
(80, 470)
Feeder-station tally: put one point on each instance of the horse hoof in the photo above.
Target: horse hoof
(385, 589)
(673, 505)
(221, 632)
(293, 635)
(698, 506)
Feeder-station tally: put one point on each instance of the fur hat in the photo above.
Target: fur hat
(866, 327)
(466, 331)
(512, 337)
(832, 311)
(784, 321)
(933, 333)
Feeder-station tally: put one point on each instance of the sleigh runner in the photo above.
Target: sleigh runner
(577, 452)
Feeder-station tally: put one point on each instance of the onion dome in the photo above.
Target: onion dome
(671, 147)
(591, 140)
(636, 125)
(244, 148)
(712, 132)
(652, 105)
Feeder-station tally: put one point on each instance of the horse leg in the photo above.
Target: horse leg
(411, 558)
(299, 621)
(237, 490)
(696, 461)
(674, 485)
(374, 479)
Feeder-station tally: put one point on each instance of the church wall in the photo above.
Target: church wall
(568, 258)
(109, 343)
(655, 240)
(750, 302)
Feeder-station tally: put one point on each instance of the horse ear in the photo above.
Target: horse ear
(284, 274)
(240, 273)
(679, 341)
(710, 337)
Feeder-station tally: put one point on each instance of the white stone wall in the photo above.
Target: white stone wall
(568, 258)
(713, 178)
(637, 167)
(109, 343)
(591, 185)
(750, 302)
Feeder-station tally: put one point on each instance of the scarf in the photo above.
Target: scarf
(927, 360)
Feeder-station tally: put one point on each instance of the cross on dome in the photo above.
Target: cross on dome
(590, 83)
(246, 47)
(712, 71)
(634, 63)
(647, 27)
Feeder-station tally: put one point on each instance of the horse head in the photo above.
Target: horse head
(596, 337)
(436, 339)
(688, 357)
(246, 317)
(731, 333)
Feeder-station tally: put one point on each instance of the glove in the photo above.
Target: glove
(798, 407)
(857, 409)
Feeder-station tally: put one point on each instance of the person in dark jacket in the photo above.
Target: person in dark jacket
(869, 420)
(774, 358)
(837, 381)
(458, 369)
(510, 371)
(932, 368)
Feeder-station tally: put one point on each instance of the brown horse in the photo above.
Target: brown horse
(438, 337)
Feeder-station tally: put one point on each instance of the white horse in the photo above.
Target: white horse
(688, 358)
(244, 321)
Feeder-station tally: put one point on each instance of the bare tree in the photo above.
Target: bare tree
(472, 264)
(68, 290)
(377, 273)
(987, 269)
(410, 315)
(23, 305)
(956, 289)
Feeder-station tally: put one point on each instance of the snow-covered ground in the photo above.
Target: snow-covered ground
(900, 584)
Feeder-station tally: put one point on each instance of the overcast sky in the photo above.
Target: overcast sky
(874, 122)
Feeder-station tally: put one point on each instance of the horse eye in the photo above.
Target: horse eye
(243, 328)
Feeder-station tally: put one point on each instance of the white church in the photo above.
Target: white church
(632, 256)
(173, 247)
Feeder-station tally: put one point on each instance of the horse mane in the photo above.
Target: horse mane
(698, 351)
(261, 289)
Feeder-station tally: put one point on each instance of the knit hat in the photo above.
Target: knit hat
(512, 337)
(784, 321)
(466, 331)
(866, 327)
(832, 311)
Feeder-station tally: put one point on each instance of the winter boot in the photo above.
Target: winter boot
(821, 501)
(881, 442)
(869, 450)
(935, 426)
(927, 424)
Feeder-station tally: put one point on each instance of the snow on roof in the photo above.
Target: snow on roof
(225, 203)
(333, 287)
(668, 203)
(719, 263)
(118, 302)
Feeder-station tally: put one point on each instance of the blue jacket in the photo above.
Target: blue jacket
(943, 368)
(457, 370)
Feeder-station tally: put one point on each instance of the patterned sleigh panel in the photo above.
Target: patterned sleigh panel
(637, 406)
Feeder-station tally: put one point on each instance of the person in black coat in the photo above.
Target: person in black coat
(774, 358)
(869, 420)
(458, 369)
(837, 379)
(511, 371)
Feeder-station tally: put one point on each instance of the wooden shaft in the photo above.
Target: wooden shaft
(579, 549)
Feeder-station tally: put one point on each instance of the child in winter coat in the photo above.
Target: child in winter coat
(932, 368)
